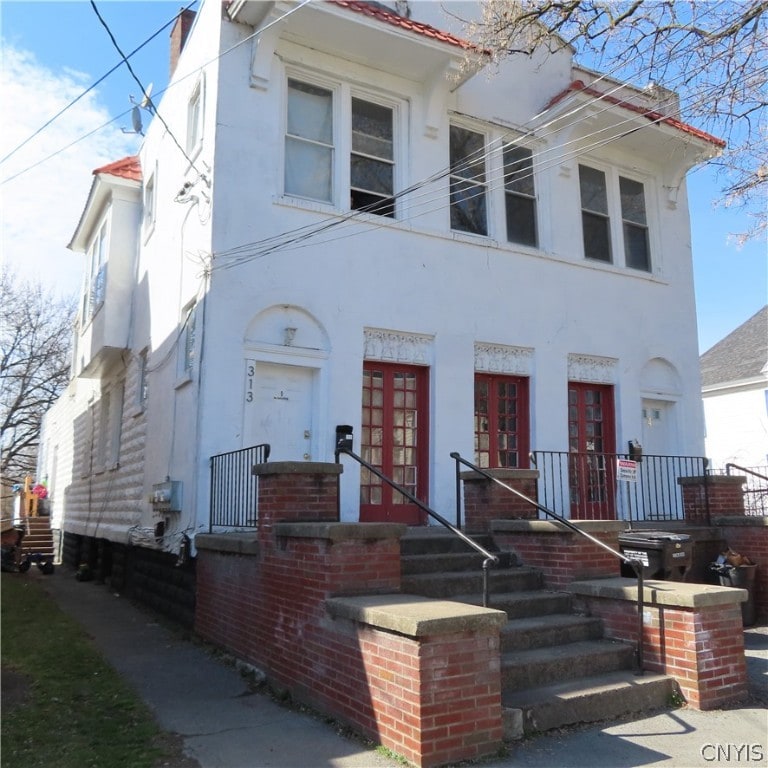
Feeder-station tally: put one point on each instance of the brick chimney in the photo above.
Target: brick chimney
(179, 36)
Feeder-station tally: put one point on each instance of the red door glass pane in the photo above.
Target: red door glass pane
(592, 447)
(501, 421)
(393, 440)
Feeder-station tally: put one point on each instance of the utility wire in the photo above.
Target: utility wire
(92, 86)
(151, 106)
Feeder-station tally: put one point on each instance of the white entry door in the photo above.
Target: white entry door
(278, 409)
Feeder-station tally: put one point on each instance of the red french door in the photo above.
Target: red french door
(394, 439)
(501, 421)
(592, 449)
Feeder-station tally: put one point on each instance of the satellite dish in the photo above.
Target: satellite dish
(136, 120)
(146, 102)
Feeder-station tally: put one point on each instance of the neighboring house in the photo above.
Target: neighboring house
(734, 377)
(339, 222)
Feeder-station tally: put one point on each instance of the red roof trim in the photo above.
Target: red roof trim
(127, 168)
(382, 14)
(652, 115)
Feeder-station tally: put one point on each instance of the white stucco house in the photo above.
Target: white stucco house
(734, 376)
(336, 221)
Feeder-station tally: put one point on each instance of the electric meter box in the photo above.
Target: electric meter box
(166, 497)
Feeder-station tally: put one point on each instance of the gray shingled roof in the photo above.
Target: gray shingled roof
(742, 354)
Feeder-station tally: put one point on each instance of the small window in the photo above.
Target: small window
(372, 167)
(520, 196)
(194, 118)
(188, 337)
(142, 389)
(149, 203)
(637, 253)
(309, 142)
(468, 181)
(596, 224)
(94, 286)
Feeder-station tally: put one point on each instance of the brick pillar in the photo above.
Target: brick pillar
(710, 495)
(485, 500)
(296, 491)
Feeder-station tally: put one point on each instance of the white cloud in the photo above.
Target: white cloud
(41, 207)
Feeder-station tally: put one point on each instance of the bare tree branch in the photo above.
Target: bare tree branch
(712, 53)
(35, 341)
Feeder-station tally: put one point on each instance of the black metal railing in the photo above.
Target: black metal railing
(234, 487)
(590, 486)
(344, 445)
(755, 489)
(636, 565)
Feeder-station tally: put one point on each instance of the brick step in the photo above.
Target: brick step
(433, 540)
(598, 697)
(447, 585)
(449, 561)
(526, 634)
(542, 666)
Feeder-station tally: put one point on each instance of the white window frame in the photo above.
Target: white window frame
(195, 112)
(96, 257)
(509, 144)
(342, 95)
(149, 198)
(187, 343)
(486, 185)
(613, 174)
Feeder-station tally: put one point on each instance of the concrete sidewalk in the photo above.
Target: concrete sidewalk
(222, 723)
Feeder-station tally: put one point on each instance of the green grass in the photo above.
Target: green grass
(76, 711)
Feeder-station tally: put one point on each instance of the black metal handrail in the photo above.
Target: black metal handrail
(344, 445)
(234, 487)
(636, 565)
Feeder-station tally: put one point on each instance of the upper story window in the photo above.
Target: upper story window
(195, 118)
(149, 203)
(637, 252)
(372, 163)
(595, 222)
(520, 196)
(309, 148)
(96, 273)
(341, 147)
(468, 181)
(600, 195)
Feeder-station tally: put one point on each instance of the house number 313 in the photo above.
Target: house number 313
(250, 372)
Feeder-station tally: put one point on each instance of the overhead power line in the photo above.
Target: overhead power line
(92, 86)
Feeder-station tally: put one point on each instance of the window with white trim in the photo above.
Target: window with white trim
(341, 147)
(468, 181)
(110, 426)
(95, 283)
(187, 341)
(195, 118)
(520, 196)
(606, 196)
(149, 203)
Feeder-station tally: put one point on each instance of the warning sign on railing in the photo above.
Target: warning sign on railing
(626, 470)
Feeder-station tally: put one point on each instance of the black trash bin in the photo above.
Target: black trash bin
(664, 555)
(741, 577)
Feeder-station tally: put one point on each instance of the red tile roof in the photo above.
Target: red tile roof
(390, 17)
(127, 168)
(652, 115)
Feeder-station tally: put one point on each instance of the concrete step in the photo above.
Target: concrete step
(447, 585)
(434, 540)
(523, 604)
(598, 697)
(448, 561)
(542, 666)
(543, 631)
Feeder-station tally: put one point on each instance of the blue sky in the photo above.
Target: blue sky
(52, 51)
